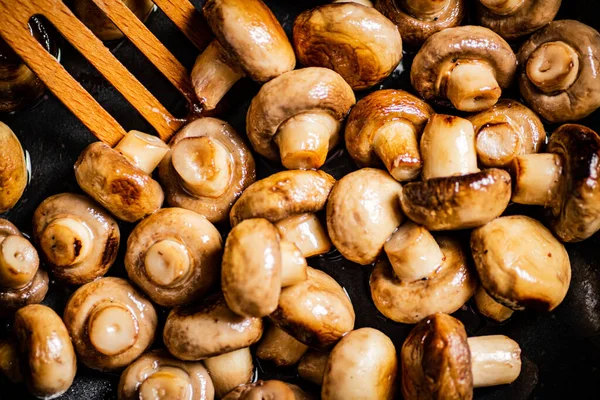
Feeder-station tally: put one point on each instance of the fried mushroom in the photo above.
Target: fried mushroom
(272, 389)
(13, 169)
(490, 308)
(230, 370)
(312, 366)
(280, 348)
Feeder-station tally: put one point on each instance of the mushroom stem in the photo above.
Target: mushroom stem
(502, 7)
(9, 361)
(497, 144)
(535, 177)
(495, 360)
(168, 383)
(143, 150)
(112, 329)
(306, 232)
(167, 262)
(230, 370)
(423, 9)
(280, 347)
(490, 307)
(18, 262)
(553, 67)
(305, 139)
(472, 86)
(66, 241)
(312, 366)
(293, 264)
(396, 145)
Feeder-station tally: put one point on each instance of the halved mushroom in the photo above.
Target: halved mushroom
(565, 180)
(354, 40)
(467, 65)
(157, 375)
(559, 72)
(490, 308)
(296, 118)
(95, 19)
(110, 323)
(454, 193)
(385, 128)
(230, 370)
(521, 264)
(280, 348)
(13, 169)
(439, 362)
(119, 179)
(174, 256)
(249, 41)
(272, 389)
(78, 239)
(289, 199)
(312, 366)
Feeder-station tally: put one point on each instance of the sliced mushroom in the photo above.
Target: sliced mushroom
(77, 238)
(490, 308)
(157, 375)
(559, 71)
(467, 65)
(119, 178)
(296, 118)
(354, 40)
(520, 264)
(110, 323)
(95, 19)
(230, 370)
(312, 366)
(385, 128)
(454, 194)
(13, 169)
(289, 199)
(249, 41)
(272, 389)
(174, 256)
(280, 348)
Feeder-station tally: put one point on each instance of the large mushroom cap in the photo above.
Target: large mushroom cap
(263, 390)
(13, 169)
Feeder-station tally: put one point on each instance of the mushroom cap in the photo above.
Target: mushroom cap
(283, 194)
(362, 212)
(7, 228)
(272, 389)
(436, 360)
(447, 290)
(13, 169)
(97, 21)
(104, 229)
(583, 96)
(521, 264)
(252, 35)
(32, 293)
(243, 170)
(316, 312)
(296, 92)
(354, 40)
(457, 202)
(202, 242)
(123, 189)
(375, 110)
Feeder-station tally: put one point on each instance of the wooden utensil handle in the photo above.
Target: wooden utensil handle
(189, 21)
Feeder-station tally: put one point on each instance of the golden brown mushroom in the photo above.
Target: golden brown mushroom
(490, 308)
(272, 389)
(230, 370)
(13, 169)
(279, 347)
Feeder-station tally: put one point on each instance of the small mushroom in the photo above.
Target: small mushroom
(521, 264)
(110, 323)
(119, 179)
(467, 65)
(362, 212)
(157, 375)
(13, 169)
(417, 20)
(280, 348)
(230, 370)
(490, 308)
(558, 77)
(289, 199)
(96, 21)
(504, 131)
(354, 40)
(564, 180)
(296, 117)
(272, 389)
(312, 366)
(439, 362)
(385, 128)
(454, 193)
(249, 42)
(78, 239)
(174, 256)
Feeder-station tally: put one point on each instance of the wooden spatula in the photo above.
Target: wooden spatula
(14, 30)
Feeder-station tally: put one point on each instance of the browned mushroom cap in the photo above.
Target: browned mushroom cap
(296, 118)
(174, 256)
(230, 370)
(558, 77)
(110, 323)
(95, 19)
(490, 308)
(506, 130)
(419, 19)
(78, 239)
(13, 169)
(272, 389)
(467, 65)
(280, 348)
(384, 128)
(157, 372)
(354, 40)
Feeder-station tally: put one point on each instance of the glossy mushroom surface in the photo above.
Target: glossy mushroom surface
(280, 348)
(230, 370)
(13, 169)
(272, 389)
(312, 366)
(490, 308)
(96, 21)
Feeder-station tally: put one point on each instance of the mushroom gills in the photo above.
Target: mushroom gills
(306, 232)
(536, 178)
(396, 145)
(280, 348)
(230, 370)
(502, 7)
(495, 360)
(472, 86)
(142, 150)
(553, 67)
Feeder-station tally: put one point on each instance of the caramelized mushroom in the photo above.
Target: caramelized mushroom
(280, 348)
(490, 308)
(312, 366)
(229, 370)
(95, 19)
(13, 169)
(267, 390)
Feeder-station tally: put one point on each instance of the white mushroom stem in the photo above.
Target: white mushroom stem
(18, 262)
(307, 232)
(305, 139)
(553, 67)
(293, 264)
(424, 8)
(279, 347)
(9, 361)
(502, 7)
(214, 73)
(66, 241)
(167, 262)
(112, 329)
(396, 145)
(497, 144)
(142, 150)
(472, 86)
(230, 370)
(536, 178)
(167, 383)
(490, 308)
(495, 360)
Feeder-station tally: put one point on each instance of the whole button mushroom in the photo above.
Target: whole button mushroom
(467, 65)
(95, 19)
(230, 370)
(354, 40)
(78, 239)
(454, 193)
(490, 308)
(207, 169)
(297, 117)
(290, 199)
(110, 322)
(279, 347)
(565, 180)
(13, 169)
(439, 362)
(174, 256)
(249, 42)
(120, 178)
(521, 264)
(272, 389)
(385, 128)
